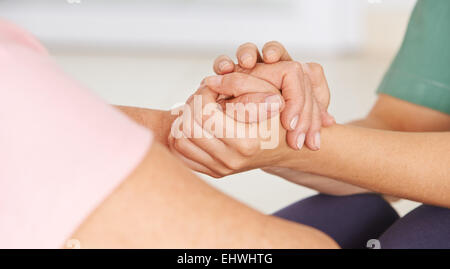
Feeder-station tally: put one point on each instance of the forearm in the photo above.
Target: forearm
(155, 207)
(159, 121)
(408, 165)
(325, 184)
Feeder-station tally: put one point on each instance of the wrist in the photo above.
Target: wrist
(167, 119)
(294, 159)
(159, 121)
(310, 161)
(161, 129)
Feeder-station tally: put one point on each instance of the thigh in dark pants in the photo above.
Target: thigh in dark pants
(353, 220)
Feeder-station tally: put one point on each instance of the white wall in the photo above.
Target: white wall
(155, 53)
(323, 26)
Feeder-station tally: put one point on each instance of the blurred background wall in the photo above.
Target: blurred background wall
(154, 53)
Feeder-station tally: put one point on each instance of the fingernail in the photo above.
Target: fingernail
(300, 140)
(270, 54)
(317, 140)
(224, 66)
(214, 81)
(246, 59)
(273, 102)
(294, 122)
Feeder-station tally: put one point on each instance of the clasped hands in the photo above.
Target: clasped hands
(253, 113)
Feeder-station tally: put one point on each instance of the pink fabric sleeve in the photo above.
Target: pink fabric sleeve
(62, 149)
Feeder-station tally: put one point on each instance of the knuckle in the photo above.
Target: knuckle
(179, 144)
(249, 148)
(222, 171)
(305, 124)
(236, 81)
(234, 164)
(245, 99)
(202, 90)
(316, 68)
(231, 81)
(295, 66)
(303, 128)
(314, 129)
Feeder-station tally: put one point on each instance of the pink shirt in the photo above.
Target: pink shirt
(62, 149)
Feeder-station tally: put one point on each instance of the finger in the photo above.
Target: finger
(196, 166)
(223, 65)
(220, 152)
(237, 139)
(253, 107)
(248, 55)
(190, 151)
(287, 76)
(327, 119)
(313, 135)
(294, 96)
(296, 138)
(249, 108)
(190, 163)
(210, 113)
(203, 146)
(274, 51)
(262, 102)
(236, 84)
(199, 107)
(320, 89)
(243, 137)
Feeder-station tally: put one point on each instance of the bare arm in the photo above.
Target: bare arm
(388, 113)
(403, 164)
(406, 164)
(163, 205)
(159, 121)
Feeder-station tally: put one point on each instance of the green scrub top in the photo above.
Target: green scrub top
(420, 73)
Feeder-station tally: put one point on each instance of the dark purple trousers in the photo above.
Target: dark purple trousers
(353, 220)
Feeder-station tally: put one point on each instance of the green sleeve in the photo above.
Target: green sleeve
(420, 73)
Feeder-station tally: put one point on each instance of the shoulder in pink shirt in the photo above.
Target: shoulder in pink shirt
(62, 149)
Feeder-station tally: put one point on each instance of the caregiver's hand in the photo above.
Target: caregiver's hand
(219, 150)
(287, 76)
(248, 56)
(305, 111)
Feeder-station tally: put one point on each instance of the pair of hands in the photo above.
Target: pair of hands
(299, 91)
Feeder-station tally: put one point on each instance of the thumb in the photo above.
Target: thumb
(253, 107)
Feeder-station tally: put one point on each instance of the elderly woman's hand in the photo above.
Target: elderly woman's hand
(216, 144)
